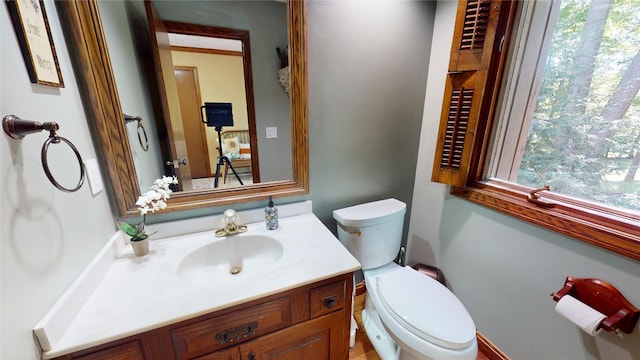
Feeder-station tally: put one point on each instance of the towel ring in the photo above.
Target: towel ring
(55, 139)
(140, 130)
(18, 128)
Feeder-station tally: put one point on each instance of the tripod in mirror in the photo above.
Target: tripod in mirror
(219, 115)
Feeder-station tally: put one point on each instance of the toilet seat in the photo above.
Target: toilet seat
(426, 307)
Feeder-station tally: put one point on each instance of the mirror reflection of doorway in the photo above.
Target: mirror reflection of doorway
(194, 131)
(220, 75)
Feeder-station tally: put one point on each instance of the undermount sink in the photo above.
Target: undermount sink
(232, 258)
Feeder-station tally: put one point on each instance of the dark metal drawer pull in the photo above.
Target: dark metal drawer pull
(237, 333)
(330, 302)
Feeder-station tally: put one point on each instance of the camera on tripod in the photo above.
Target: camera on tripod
(218, 115)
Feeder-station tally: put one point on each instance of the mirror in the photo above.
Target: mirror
(96, 79)
(204, 71)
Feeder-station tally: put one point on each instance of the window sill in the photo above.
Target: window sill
(608, 230)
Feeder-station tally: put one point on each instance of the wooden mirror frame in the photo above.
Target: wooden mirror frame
(87, 44)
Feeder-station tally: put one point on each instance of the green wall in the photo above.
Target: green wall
(501, 268)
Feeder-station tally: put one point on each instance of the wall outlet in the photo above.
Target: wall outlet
(272, 132)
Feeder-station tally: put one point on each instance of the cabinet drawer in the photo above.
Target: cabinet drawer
(327, 298)
(221, 331)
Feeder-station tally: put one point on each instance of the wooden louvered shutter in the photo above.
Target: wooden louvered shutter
(475, 40)
(460, 111)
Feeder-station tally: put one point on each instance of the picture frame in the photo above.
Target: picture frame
(31, 25)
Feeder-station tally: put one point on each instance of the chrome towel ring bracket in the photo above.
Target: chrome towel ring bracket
(140, 129)
(18, 128)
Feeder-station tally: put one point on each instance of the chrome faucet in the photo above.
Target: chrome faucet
(231, 225)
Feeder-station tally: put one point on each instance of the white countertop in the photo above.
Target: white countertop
(137, 294)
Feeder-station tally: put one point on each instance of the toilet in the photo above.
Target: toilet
(407, 315)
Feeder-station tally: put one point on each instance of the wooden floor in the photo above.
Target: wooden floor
(363, 350)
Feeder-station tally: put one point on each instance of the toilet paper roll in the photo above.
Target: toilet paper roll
(585, 317)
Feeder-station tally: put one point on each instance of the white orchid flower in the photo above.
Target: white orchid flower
(151, 201)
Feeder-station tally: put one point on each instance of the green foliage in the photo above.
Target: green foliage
(136, 232)
(586, 154)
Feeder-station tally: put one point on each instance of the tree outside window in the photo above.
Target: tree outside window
(584, 137)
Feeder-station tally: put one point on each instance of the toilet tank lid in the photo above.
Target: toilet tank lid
(369, 213)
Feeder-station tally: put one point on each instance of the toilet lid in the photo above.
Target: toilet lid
(427, 308)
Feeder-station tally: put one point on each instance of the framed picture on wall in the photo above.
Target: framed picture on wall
(34, 36)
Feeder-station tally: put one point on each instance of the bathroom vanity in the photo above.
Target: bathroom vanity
(312, 319)
(293, 296)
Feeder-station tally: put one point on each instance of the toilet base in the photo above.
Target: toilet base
(379, 338)
(382, 342)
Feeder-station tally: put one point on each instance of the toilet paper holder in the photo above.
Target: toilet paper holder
(604, 297)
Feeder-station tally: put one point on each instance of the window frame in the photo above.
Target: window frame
(595, 224)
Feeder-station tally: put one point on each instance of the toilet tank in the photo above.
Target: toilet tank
(372, 232)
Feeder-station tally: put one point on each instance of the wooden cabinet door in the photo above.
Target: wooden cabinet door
(322, 338)
(226, 354)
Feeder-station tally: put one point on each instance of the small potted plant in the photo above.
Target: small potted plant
(153, 200)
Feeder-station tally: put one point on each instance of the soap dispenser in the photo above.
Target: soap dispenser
(271, 215)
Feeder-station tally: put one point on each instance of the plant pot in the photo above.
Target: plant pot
(140, 248)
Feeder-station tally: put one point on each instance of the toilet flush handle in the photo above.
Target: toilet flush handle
(356, 233)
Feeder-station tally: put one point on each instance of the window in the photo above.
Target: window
(531, 99)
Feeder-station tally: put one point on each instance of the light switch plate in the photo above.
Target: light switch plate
(93, 175)
(272, 132)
